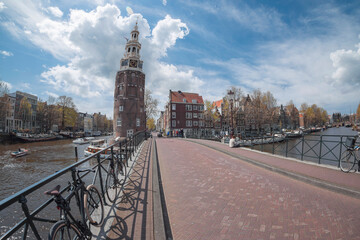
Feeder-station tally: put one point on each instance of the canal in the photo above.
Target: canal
(45, 158)
(320, 147)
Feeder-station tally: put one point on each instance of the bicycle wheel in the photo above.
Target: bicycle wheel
(347, 161)
(94, 206)
(110, 185)
(61, 230)
(122, 170)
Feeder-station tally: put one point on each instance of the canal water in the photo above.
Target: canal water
(44, 159)
(323, 147)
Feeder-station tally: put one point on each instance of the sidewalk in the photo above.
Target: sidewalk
(132, 218)
(325, 176)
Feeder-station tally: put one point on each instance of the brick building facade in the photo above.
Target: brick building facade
(185, 112)
(129, 107)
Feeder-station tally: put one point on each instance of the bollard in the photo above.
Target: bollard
(76, 152)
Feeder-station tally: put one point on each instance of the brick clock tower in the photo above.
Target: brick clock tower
(129, 107)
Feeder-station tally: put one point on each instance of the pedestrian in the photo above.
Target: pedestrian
(233, 143)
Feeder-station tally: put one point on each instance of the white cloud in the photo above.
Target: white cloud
(55, 11)
(6, 53)
(347, 67)
(2, 6)
(92, 44)
(51, 94)
(164, 2)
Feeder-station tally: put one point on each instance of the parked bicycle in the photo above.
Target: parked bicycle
(117, 165)
(90, 204)
(350, 156)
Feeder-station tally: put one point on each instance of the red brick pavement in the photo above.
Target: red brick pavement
(210, 195)
(321, 172)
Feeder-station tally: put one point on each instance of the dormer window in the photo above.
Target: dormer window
(194, 101)
(184, 99)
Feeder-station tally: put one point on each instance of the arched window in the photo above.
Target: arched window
(128, 49)
(134, 49)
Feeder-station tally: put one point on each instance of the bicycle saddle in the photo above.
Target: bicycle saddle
(54, 191)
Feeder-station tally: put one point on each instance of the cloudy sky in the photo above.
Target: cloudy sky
(300, 50)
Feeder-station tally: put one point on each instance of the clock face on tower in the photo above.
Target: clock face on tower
(133, 63)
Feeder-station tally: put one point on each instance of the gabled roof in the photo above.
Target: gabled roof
(217, 103)
(180, 96)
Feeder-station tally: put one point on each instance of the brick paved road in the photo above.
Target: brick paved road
(210, 195)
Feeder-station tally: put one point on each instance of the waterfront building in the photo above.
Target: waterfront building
(129, 107)
(160, 122)
(185, 112)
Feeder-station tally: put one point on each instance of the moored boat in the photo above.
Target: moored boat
(26, 137)
(96, 146)
(21, 152)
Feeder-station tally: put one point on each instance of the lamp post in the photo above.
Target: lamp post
(231, 96)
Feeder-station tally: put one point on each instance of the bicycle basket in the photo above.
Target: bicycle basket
(350, 142)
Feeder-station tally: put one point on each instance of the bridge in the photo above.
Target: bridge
(199, 189)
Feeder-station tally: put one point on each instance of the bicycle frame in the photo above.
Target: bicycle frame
(78, 191)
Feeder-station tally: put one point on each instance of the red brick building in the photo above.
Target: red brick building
(185, 112)
(129, 107)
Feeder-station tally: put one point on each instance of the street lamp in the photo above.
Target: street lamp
(231, 96)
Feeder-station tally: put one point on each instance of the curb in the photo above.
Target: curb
(296, 176)
(162, 227)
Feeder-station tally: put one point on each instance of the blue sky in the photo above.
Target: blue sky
(304, 51)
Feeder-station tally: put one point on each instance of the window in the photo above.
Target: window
(138, 122)
(201, 115)
(195, 123)
(121, 108)
(188, 123)
(188, 115)
(184, 99)
(121, 87)
(201, 123)
(195, 115)
(119, 122)
(188, 108)
(174, 123)
(194, 101)
(173, 107)
(201, 108)
(128, 49)
(173, 114)
(141, 109)
(195, 108)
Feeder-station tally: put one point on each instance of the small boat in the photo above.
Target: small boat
(21, 152)
(96, 146)
(83, 140)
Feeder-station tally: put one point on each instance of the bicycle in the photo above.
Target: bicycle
(349, 156)
(91, 208)
(112, 178)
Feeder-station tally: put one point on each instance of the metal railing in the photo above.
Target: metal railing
(40, 219)
(321, 149)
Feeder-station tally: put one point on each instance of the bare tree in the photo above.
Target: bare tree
(4, 103)
(150, 105)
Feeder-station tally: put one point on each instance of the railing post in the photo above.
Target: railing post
(262, 143)
(302, 147)
(286, 146)
(25, 209)
(320, 149)
(100, 177)
(273, 144)
(340, 152)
